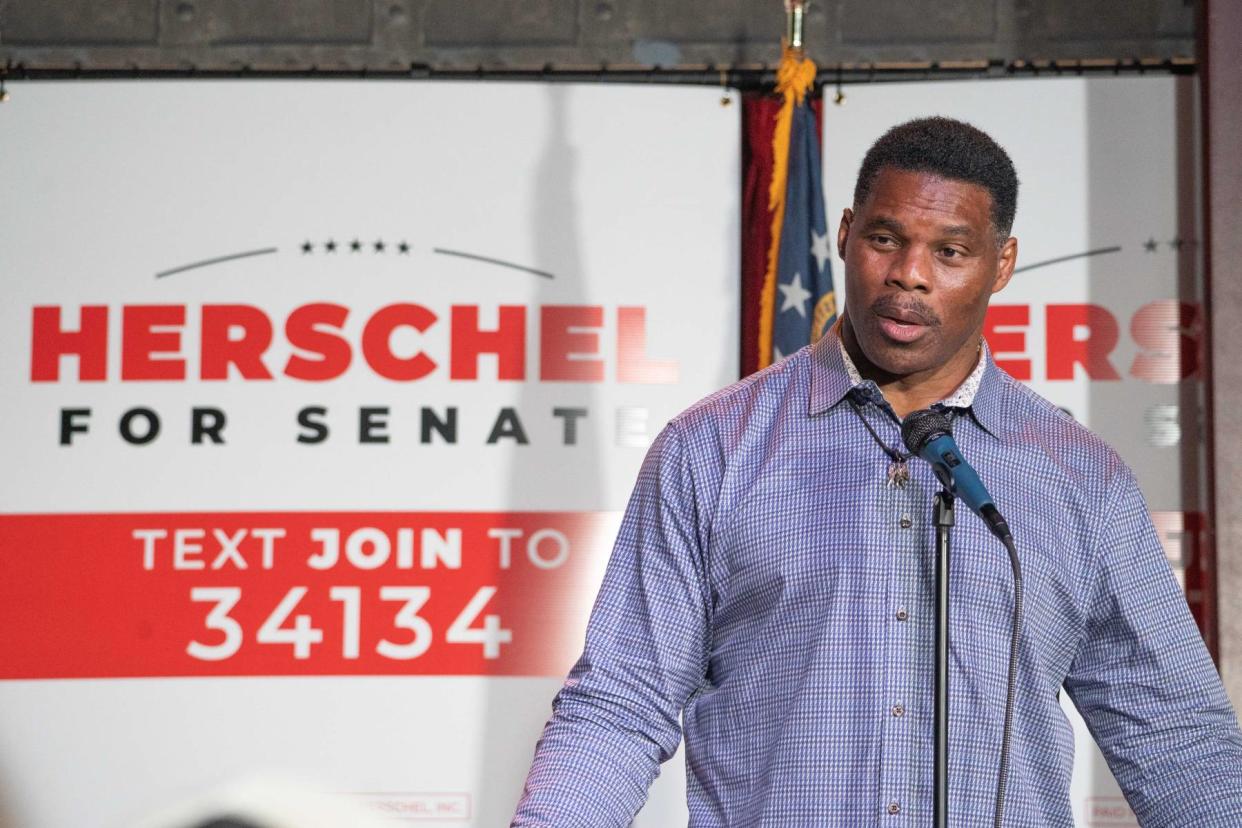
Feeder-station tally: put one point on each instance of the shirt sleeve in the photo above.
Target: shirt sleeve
(1146, 686)
(618, 715)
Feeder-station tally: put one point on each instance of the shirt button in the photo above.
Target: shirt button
(894, 808)
(906, 523)
(902, 615)
(899, 710)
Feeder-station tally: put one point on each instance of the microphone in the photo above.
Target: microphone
(929, 434)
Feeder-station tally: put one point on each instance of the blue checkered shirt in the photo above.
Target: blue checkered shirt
(771, 595)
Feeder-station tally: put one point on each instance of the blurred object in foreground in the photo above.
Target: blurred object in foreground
(266, 802)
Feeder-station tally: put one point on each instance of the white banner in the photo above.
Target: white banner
(320, 404)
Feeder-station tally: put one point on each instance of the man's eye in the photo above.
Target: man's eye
(950, 252)
(880, 239)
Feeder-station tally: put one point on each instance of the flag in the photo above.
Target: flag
(797, 302)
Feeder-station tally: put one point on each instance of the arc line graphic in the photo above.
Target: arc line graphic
(1059, 259)
(217, 260)
(489, 260)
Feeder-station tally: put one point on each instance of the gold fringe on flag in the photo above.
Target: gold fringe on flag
(794, 78)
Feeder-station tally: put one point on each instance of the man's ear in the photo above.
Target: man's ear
(843, 232)
(1004, 269)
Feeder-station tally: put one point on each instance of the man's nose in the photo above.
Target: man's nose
(911, 269)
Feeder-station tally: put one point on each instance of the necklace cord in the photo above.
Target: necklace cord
(894, 454)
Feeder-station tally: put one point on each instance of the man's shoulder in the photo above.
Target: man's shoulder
(751, 400)
(1030, 422)
(727, 435)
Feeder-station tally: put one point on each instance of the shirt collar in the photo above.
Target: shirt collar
(830, 379)
(833, 375)
(962, 397)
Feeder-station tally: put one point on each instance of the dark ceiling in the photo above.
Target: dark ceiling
(664, 38)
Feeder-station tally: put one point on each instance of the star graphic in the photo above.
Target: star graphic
(794, 295)
(379, 246)
(307, 247)
(330, 246)
(1150, 245)
(355, 246)
(819, 249)
(1176, 244)
(403, 248)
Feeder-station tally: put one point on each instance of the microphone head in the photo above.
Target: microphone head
(921, 427)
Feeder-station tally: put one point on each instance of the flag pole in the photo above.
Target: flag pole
(794, 12)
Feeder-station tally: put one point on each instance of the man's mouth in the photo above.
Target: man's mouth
(903, 322)
(902, 329)
(906, 316)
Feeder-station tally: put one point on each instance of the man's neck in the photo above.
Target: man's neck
(911, 392)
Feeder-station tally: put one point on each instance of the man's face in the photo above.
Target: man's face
(921, 262)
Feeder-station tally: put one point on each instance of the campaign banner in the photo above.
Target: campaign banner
(323, 400)
(297, 593)
(321, 404)
(1103, 314)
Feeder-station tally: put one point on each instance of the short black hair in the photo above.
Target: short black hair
(950, 149)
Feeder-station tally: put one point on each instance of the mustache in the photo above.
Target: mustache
(908, 307)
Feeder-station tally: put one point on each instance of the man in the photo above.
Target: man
(772, 579)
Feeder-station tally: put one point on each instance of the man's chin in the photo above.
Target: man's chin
(899, 359)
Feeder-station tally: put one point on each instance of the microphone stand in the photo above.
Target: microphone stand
(942, 517)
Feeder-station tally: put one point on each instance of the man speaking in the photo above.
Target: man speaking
(771, 589)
